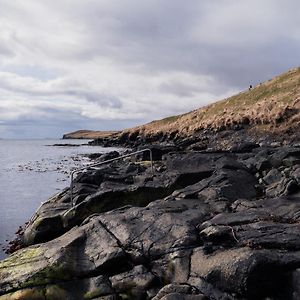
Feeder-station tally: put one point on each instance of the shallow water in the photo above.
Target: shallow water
(30, 172)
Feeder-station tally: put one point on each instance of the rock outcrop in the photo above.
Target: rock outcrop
(213, 224)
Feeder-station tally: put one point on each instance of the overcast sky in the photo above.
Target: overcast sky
(107, 64)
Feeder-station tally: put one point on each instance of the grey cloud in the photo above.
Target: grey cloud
(41, 89)
(141, 45)
(93, 97)
(177, 88)
(184, 88)
(5, 51)
(241, 67)
(157, 36)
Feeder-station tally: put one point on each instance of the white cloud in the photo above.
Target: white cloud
(136, 60)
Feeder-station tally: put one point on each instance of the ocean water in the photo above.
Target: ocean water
(30, 172)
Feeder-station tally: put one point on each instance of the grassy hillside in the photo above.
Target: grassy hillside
(272, 105)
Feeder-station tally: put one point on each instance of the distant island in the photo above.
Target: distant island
(88, 134)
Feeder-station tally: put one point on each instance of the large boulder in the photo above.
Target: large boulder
(105, 189)
(253, 274)
(126, 240)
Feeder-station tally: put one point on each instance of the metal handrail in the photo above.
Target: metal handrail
(106, 162)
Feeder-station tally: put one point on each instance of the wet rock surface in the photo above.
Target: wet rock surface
(213, 224)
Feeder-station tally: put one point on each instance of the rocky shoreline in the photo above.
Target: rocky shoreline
(220, 219)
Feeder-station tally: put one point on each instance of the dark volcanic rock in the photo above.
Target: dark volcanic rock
(206, 225)
(252, 273)
(94, 155)
(157, 151)
(243, 147)
(109, 155)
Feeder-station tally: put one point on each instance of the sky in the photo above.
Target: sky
(107, 65)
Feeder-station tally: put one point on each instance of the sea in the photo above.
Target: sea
(31, 171)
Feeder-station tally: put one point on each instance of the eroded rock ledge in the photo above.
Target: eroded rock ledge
(208, 225)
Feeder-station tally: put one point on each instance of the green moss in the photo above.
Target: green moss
(24, 254)
(125, 296)
(48, 275)
(144, 163)
(93, 294)
(21, 257)
(54, 292)
(36, 223)
(127, 290)
(26, 294)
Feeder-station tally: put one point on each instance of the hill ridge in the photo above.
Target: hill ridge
(272, 106)
(270, 103)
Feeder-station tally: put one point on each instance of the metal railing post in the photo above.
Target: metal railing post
(106, 162)
(71, 186)
(151, 160)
